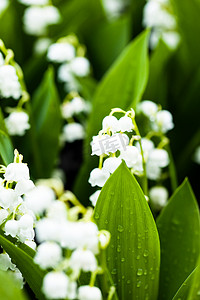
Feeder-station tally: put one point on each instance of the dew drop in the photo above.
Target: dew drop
(96, 216)
(114, 271)
(128, 281)
(138, 257)
(139, 272)
(138, 284)
(122, 259)
(118, 248)
(120, 228)
(146, 253)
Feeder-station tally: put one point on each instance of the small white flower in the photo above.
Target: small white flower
(98, 177)
(76, 106)
(159, 157)
(41, 45)
(110, 123)
(130, 155)
(11, 228)
(80, 66)
(87, 292)
(148, 108)
(94, 197)
(48, 255)
(125, 124)
(48, 230)
(24, 186)
(171, 39)
(55, 285)
(8, 198)
(163, 121)
(111, 164)
(80, 235)
(158, 196)
(83, 260)
(72, 290)
(9, 82)
(17, 123)
(39, 199)
(57, 211)
(18, 278)
(73, 132)
(5, 262)
(61, 52)
(17, 172)
(25, 228)
(38, 18)
(147, 146)
(64, 73)
(153, 171)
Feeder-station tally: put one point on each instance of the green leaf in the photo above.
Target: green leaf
(133, 255)
(24, 261)
(6, 148)
(122, 87)
(8, 290)
(179, 231)
(46, 121)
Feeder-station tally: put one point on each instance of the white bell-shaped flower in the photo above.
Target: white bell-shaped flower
(98, 177)
(48, 255)
(73, 132)
(39, 199)
(110, 123)
(125, 124)
(158, 196)
(111, 164)
(61, 52)
(55, 285)
(17, 172)
(9, 82)
(24, 186)
(11, 228)
(80, 66)
(159, 157)
(148, 108)
(163, 121)
(17, 123)
(130, 155)
(5, 262)
(153, 170)
(87, 292)
(8, 198)
(3, 215)
(83, 260)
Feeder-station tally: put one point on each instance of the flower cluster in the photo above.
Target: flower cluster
(158, 15)
(39, 16)
(16, 218)
(69, 245)
(69, 240)
(12, 86)
(68, 52)
(120, 139)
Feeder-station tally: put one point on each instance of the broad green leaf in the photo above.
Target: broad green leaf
(8, 290)
(6, 148)
(122, 86)
(179, 231)
(24, 261)
(183, 292)
(46, 121)
(133, 256)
